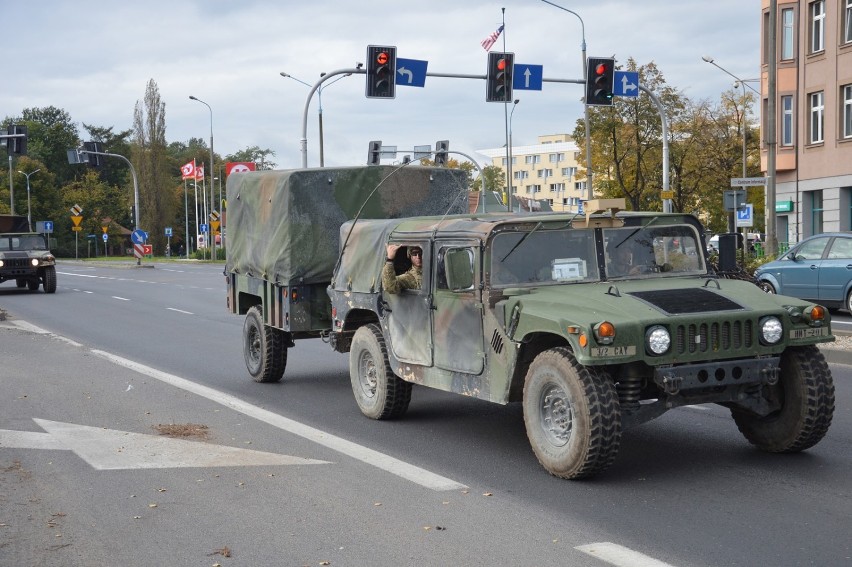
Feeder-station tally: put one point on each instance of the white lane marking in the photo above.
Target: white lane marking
(109, 449)
(387, 463)
(24, 326)
(120, 298)
(619, 555)
(28, 440)
(180, 311)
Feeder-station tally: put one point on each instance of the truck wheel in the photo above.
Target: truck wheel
(572, 415)
(263, 348)
(806, 392)
(32, 285)
(50, 279)
(20, 282)
(380, 394)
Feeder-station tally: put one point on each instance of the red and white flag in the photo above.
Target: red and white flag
(239, 166)
(188, 171)
(489, 41)
(199, 173)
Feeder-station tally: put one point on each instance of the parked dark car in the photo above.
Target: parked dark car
(817, 269)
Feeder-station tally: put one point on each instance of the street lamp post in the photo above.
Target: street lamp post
(319, 102)
(212, 238)
(509, 164)
(29, 210)
(591, 194)
(742, 83)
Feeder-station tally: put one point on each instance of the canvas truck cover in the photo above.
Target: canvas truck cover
(284, 226)
(13, 223)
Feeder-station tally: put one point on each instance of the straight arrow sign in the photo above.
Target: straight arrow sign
(626, 83)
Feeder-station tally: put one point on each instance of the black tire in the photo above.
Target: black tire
(50, 279)
(33, 284)
(572, 415)
(848, 304)
(264, 348)
(767, 287)
(806, 392)
(20, 282)
(379, 393)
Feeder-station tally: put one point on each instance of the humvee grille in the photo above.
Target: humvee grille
(694, 338)
(17, 262)
(683, 301)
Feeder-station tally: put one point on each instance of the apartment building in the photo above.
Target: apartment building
(544, 171)
(813, 115)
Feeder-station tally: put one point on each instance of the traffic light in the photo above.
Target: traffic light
(17, 145)
(381, 71)
(441, 147)
(374, 154)
(93, 159)
(600, 76)
(498, 87)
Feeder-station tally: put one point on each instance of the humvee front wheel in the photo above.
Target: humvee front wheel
(32, 284)
(50, 279)
(571, 414)
(263, 348)
(21, 282)
(806, 393)
(379, 393)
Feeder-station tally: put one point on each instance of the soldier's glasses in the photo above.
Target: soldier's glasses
(416, 253)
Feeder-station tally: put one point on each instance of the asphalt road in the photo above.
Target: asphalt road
(454, 482)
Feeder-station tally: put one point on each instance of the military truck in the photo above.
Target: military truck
(24, 255)
(536, 309)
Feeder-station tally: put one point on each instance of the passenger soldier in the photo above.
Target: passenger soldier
(412, 279)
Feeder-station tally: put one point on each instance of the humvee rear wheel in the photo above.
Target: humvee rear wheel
(806, 393)
(263, 347)
(50, 279)
(379, 393)
(571, 414)
(32, 285)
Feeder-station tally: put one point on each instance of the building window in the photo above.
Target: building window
(557, 187)
(787, 33)
(816, 212)
(580, 185)
(817, 117)
(550, 202)
(521, 174)
(569, 171)
(532, 159)
(556, 158)
(847, 22)
(787, 122)
(846, 97)
(504, 162)
(817, 10)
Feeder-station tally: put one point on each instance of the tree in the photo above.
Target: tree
(156, 184)
(494, 178)
(50, 134)
(112, 170)
(256, 155)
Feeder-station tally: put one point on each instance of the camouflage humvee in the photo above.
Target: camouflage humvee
(24, 256)
(519, 308)
(534, 309)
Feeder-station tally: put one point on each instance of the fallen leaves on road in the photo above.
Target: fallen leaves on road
(224, 552)
(182, 430)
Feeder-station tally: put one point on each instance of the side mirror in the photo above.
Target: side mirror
(459, 265)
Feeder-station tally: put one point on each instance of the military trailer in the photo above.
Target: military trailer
(536, 309)
(24, 255)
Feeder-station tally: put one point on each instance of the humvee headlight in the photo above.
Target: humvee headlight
(658, 339)
(1, 263)
(770, 330)
(34, 261)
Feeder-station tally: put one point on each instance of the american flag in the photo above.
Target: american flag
(491, 39)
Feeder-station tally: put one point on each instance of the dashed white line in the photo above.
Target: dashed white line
(180, 311)
(119, 298)
(619, 555)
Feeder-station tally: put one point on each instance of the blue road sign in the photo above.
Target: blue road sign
(138, 236)
(626, 83)
(411, 72)
(168, 231)
(745, 216)
(202, 228)
(48, 226)
(105, 237)
(527, 77)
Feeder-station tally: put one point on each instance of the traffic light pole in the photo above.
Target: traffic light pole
(132, 172)
(667, 203)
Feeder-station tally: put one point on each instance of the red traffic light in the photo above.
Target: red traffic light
(382, 58)
(600, 69)
(501, 65)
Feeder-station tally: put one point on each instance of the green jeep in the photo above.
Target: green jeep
(594, 323)
(25, 258)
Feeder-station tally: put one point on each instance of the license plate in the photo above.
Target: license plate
(604, 351)
(809, 332)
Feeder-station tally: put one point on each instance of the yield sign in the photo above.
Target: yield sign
(76, 219)
(107, 449)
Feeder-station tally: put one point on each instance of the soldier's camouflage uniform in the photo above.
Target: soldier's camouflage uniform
(412, 279)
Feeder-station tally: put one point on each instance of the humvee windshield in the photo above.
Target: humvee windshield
(540, 255)
(22, 242)
(636, 252)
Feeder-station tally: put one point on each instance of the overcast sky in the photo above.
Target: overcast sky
(94, 59)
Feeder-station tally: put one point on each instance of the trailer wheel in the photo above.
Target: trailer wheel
(379, 393)
(50, 279)
(263, 347)
(806, 393)
(572, 415)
